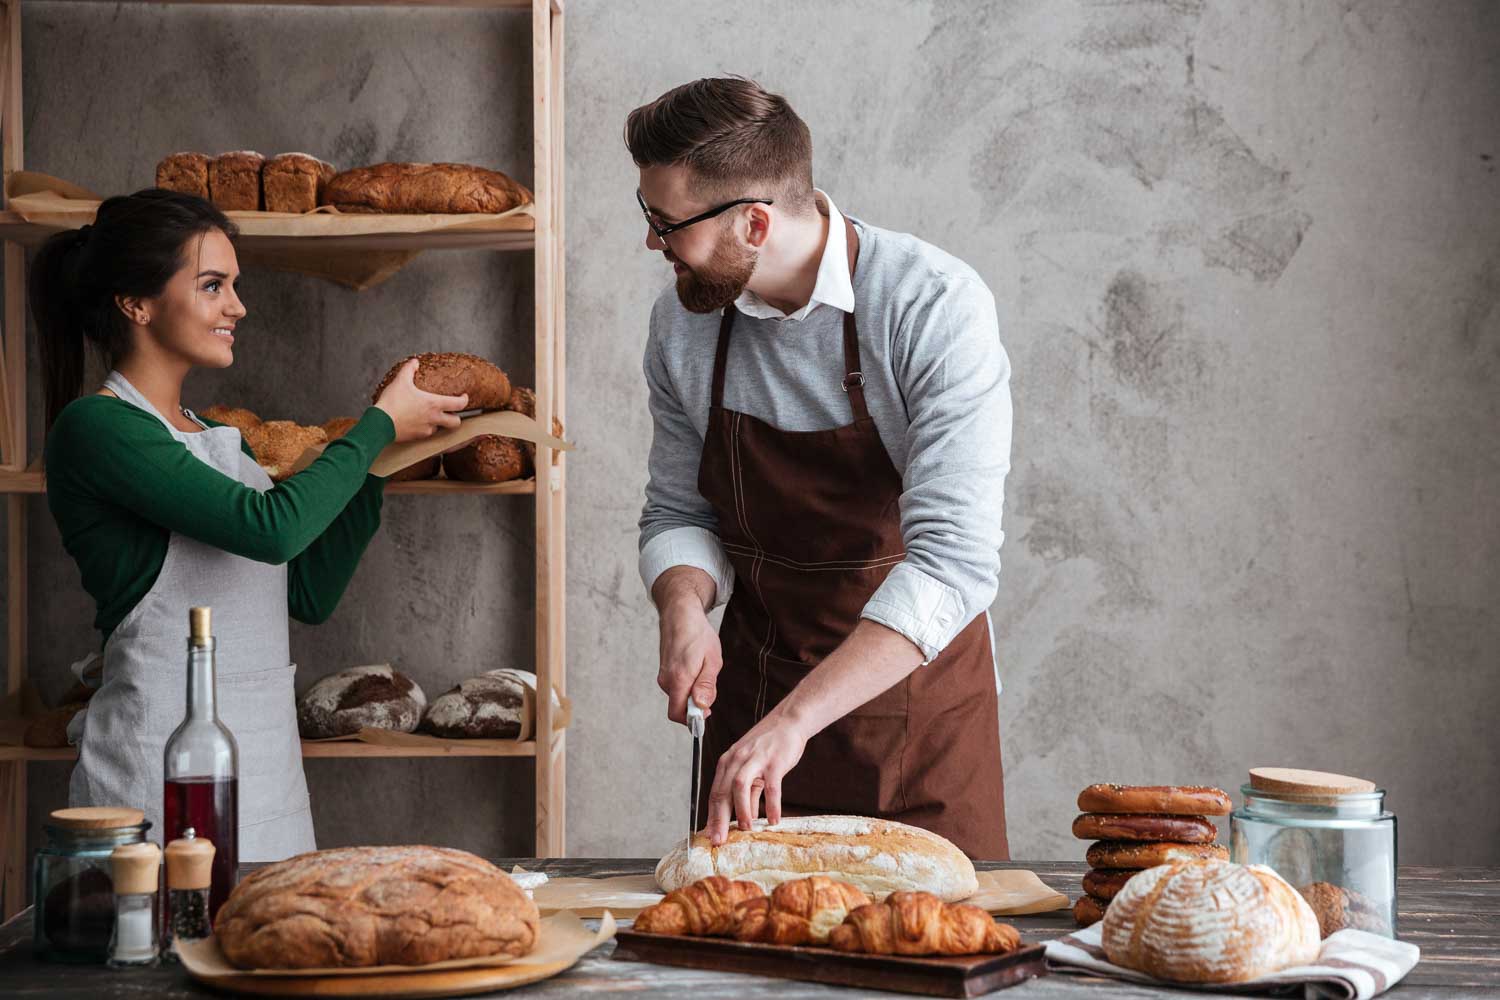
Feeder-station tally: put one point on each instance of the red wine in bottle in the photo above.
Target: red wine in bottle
(210, 807)
(201, 767)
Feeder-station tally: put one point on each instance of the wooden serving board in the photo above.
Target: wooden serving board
(405, 985)
(962, 976)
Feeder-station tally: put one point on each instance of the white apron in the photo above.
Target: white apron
(143, 694)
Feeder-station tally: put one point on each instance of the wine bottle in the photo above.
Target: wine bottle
(202, 766)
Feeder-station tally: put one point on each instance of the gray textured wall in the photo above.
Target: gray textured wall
(1247, 258)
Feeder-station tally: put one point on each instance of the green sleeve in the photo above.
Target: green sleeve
(113, 450)
(316, 579)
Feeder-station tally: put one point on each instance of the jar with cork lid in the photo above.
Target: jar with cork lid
(137, 871)
(73, 882)
(1330, 836)
(190, 861)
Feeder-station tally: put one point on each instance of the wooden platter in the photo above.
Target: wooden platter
(962, 976)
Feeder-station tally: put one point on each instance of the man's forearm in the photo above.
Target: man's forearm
(872, 659)
(683, 583)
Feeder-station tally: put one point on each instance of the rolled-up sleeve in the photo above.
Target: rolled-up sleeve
(955, 379)
(677, 527)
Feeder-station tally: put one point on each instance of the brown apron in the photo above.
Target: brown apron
(811, 521)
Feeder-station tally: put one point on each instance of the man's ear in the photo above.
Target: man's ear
(757, 225)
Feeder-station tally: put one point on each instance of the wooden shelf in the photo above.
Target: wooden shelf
(34, 481)
(518, 232)
(557, 5)
(344, 749)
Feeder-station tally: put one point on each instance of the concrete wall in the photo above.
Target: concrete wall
(1247, 258)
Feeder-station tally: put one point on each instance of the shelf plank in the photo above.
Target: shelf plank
(517, 232)
(451, 748)
(34, 481)
(495, 4)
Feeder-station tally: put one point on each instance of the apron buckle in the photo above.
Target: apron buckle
(853, 380)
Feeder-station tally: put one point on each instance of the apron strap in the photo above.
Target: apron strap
(854, 378)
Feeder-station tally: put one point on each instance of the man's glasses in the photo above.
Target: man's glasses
(663, 231)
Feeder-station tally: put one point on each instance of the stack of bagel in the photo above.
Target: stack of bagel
(1136, 827)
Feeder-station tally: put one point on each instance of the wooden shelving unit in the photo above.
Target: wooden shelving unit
(541, 233)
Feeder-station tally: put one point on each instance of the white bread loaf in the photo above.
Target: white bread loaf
(876, 855)
(1209, 921)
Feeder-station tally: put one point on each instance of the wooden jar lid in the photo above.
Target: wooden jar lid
(97, 817)
(1311, 784)
(190, 863)
(135, 867)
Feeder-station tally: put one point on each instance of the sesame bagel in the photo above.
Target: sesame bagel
(1134, 855)
(1170, 800)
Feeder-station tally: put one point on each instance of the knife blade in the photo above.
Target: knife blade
(695, 726)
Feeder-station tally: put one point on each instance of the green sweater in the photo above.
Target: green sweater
(119, 483)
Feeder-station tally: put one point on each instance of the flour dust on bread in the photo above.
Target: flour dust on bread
(877, 856)
(374, 696)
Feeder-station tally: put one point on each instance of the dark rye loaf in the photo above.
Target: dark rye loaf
(376, 696)
(365, 906)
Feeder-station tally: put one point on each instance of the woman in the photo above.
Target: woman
(163, 510)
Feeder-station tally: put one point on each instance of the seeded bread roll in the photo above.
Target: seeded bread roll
(278, 444)
(294, 182)
(376, 696)
(878, 856)
(453, 374)
(489, 458)
(422, 188)
(1133, 855)
(234, 181)
(186, 173)
(364, 906)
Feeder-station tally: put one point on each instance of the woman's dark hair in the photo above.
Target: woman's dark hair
(134, 246)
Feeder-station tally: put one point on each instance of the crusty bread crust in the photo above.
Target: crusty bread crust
(878, 856)
(363, 906)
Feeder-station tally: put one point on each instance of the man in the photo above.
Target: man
(832, 415)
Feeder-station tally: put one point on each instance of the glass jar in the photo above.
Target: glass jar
(73, 887)
(1339, 850)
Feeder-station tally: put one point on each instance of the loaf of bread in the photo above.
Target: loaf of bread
(878, 856)
(1338, 908)
(364, 906)
(376, 696)
(497, 705)
(489, 458)
(186, 173)
(421, 188)
(295, 182)
(454, 374)
(237, 417)
(523, 400)
(1209, 921)
(337, 427)
(278, 444)
(234, 181)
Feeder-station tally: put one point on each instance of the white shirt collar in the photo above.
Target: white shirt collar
(833, 287)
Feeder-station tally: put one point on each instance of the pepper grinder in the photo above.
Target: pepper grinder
(137, 870)
(190, 861)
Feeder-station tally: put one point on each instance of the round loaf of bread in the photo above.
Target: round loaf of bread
(490, 706)
(1137, 855)
(376, 696)
(238, 417)
(1145, 826)
(876, 855)
(1209, 922)
(364, 906)
(452, 374)
(1171, 800)
(489, 458)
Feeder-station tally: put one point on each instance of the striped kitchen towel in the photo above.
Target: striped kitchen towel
(1353, 965)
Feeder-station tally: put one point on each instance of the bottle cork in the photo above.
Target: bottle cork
(135, 868)
(190, 862)
(200, 625)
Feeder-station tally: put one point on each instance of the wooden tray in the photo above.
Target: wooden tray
(964, 976)
(439, 983)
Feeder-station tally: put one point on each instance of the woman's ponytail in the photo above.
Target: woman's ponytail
(135, 245)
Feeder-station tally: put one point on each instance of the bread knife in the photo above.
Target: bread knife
(695, 726)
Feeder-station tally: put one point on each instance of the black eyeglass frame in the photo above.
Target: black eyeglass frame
(662, 232)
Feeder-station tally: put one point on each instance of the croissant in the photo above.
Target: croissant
(802, 911)
(704, 909)
(918, 923)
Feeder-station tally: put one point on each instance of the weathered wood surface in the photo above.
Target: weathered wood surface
(1453, 914)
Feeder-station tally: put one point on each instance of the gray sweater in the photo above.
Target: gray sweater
(937, 382)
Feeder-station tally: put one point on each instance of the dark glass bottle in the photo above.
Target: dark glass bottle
(202, 767)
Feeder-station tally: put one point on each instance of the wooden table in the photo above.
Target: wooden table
(1452, 914)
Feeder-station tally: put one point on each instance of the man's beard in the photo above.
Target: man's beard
(719, 282)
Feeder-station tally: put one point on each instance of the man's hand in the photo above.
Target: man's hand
(690, 655)
(752, 767)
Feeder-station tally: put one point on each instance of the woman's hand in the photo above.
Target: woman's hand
(752, 767)
(417, 414)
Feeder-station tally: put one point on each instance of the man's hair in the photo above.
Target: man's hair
(738, 140)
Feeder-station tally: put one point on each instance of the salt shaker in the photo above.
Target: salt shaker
(136, 870)
(190, 861)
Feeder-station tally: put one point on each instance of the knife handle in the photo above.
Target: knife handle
(694, 717)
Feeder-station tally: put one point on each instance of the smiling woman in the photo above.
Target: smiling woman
(163, 510)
